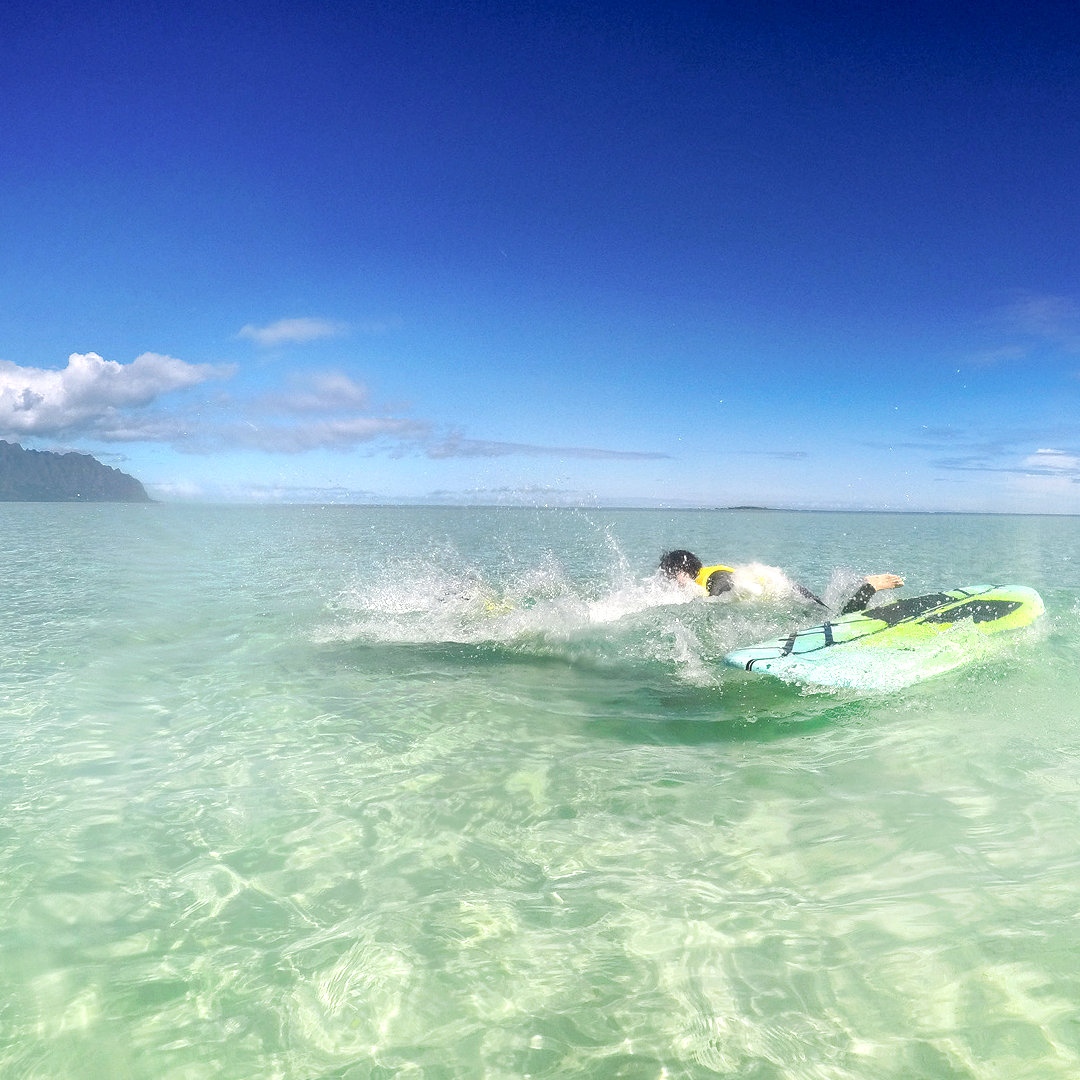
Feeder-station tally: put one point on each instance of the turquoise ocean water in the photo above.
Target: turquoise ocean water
(355, 792)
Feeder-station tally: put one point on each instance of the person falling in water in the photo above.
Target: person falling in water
(686, 568)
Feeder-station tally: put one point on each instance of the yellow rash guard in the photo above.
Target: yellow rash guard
(706, 574)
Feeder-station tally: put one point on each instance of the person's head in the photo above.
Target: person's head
(678, 562)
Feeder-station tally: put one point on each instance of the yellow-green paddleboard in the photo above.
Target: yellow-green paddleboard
(897, 643)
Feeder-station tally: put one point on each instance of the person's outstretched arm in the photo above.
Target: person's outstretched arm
(872, 583)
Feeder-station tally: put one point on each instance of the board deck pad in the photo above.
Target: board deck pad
(897, 643)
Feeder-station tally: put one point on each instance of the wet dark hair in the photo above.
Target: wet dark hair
(672, 562)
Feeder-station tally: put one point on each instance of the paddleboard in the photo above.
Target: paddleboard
(897, 643)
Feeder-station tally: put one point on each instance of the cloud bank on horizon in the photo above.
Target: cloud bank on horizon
(103, 400)
(152, 400)
(163, 400)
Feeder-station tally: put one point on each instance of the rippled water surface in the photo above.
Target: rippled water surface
(367, 793)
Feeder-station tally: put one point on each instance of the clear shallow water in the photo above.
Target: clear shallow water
(352, 792)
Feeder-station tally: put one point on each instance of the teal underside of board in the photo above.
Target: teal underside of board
(897, 643)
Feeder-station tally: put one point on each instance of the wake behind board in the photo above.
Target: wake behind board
(897, 643)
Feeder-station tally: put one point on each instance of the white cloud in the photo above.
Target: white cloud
(94, 396)
(1054, 461)
(177, 489)
(323, 391)
(1055, 319)
(455, 446)
(1002, 354)
(1047, 481)
(1033, 326)
(336, 433)
(105, 401)
(322, 410)
(256, 492)
(292, 331)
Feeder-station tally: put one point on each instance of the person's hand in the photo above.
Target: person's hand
(884, 581)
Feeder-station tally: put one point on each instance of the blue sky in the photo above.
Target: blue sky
(681, 254)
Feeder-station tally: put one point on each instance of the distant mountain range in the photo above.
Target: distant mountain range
(41, 476)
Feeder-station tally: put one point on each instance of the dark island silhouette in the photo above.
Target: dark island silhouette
(42, 476)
